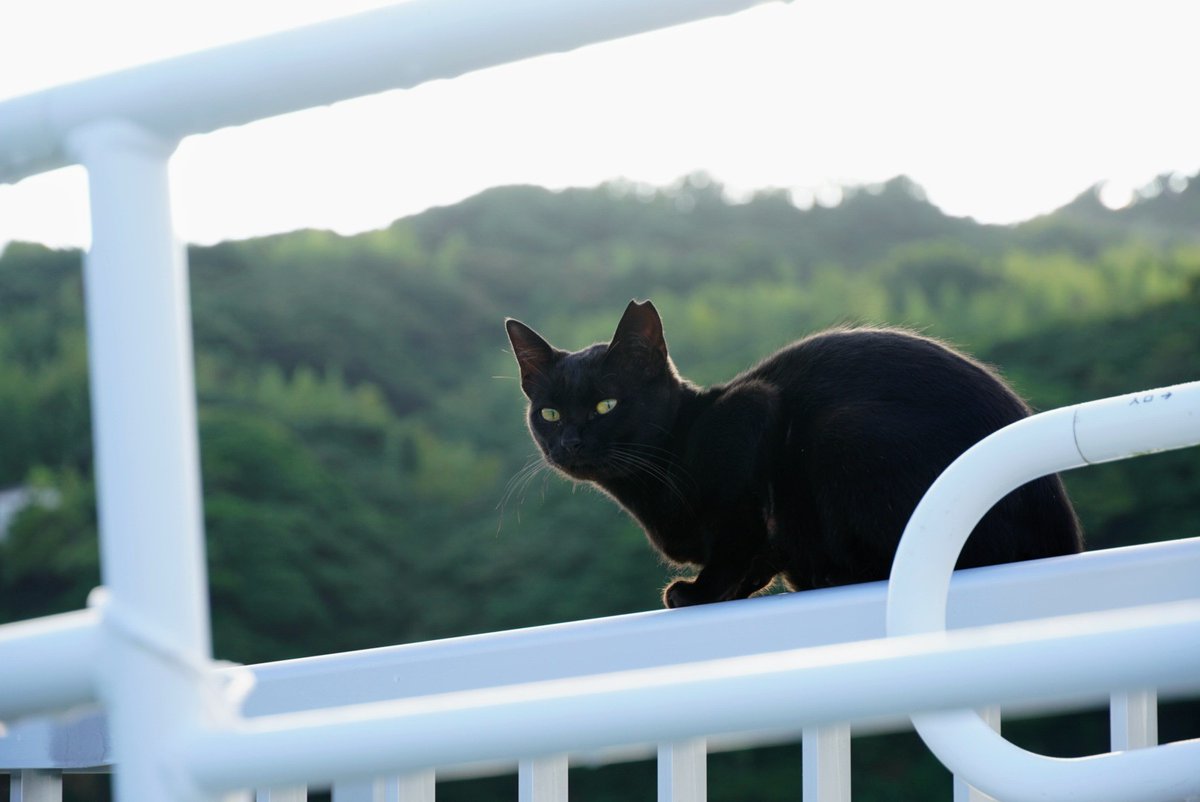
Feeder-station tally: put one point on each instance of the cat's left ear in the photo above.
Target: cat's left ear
(534, 355)
(639, 341)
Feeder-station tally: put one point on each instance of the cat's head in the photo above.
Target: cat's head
(597, 413)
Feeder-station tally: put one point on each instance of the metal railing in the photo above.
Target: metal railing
(142, 652)
(1085, 434)
(1155, 574)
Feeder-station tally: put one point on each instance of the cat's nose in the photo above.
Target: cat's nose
(570, 441)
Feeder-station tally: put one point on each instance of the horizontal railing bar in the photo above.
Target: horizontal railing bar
(48, 663)
(80, 744)
(73, 743)
(882, 725)
(1146, 574)
(87, 741)
(1157, 645)
(396, 47)
(1094, 581)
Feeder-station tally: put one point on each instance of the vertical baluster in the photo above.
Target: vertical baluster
(683, 771)
(826, 763)
(1133, 719)
(420, 786)
(373, 790)
(964, 792)
(416, 787)
(542, 779)
(34, 785)
(147, 462)
(295, 794)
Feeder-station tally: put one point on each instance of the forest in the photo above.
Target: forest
(361, 424)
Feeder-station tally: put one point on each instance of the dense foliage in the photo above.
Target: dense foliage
(361, 427)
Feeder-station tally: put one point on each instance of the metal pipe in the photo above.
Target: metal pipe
(1006, 662)
(1112, 578)
(147, 457)
(1152, 573)
(396, 47)
(48, 663)
(1099, 431)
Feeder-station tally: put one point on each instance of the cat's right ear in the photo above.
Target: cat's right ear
(638, 343)
(534, 355)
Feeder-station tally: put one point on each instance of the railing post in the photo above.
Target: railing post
(416, 787)
(963, 792)
(826, 763)
(147, 463)
(33, 785)
(420, 786)
(683, 771)
(1133, 719)
(377, 789)
(542, 779)
(294, 794)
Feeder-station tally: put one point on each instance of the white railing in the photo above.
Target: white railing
(143, 653)
(1085, 434)
(1155, 574)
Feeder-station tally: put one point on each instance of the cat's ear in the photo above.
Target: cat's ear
(638, 342)
(534, 355)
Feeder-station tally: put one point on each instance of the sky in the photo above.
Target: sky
(1001, 111)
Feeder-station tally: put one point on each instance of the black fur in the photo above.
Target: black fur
(807, 465)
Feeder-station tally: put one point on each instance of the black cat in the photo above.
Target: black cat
(807, 465)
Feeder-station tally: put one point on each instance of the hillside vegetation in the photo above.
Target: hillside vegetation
(360, 420)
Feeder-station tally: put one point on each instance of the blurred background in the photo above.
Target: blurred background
(1023, 184)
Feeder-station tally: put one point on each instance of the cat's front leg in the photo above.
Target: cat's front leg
(740, 562)
(729, 457)
(762, 573)
(714, 584)
(688, 593)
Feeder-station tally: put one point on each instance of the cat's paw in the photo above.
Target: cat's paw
(683, 593)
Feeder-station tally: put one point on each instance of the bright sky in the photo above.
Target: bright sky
(1002, 110)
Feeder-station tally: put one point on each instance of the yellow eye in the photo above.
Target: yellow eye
(606, 406)
(550, 414)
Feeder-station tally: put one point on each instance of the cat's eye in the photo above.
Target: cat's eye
(550, 414)
(606, 406)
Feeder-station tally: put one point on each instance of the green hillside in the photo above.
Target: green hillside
(361, 427)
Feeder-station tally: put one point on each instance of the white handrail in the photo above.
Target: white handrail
(1098, 431)
(1153, 573)
(396, 47)
(1109, 579)
(1157, 645)
(48, 663)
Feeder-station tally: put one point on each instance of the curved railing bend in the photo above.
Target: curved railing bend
(1099, 431)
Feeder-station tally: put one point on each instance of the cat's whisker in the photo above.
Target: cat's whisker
(544, 470)
(661, 428)
(663, 455)
(637, 463)
(517, 485)
(529, 469)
